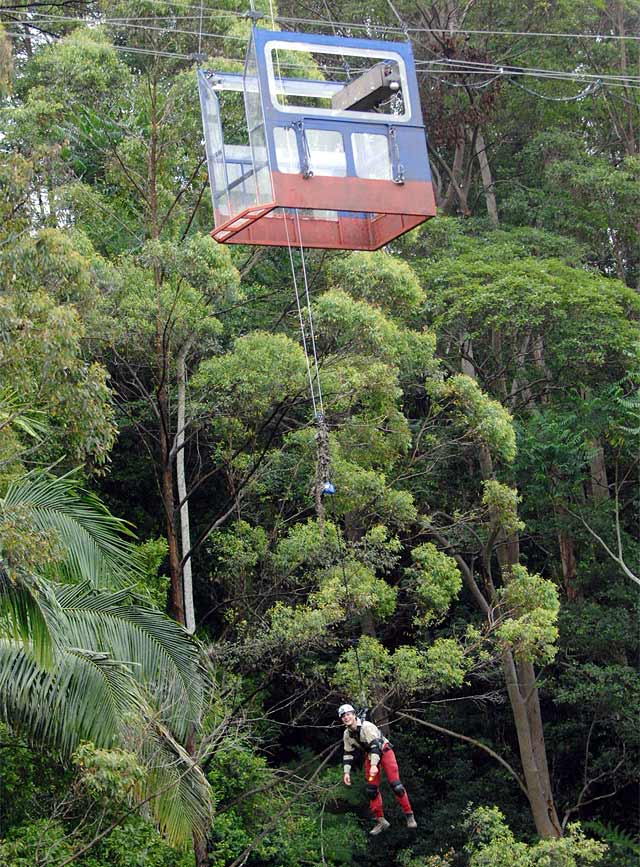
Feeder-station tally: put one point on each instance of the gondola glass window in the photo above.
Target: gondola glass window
(331, 151)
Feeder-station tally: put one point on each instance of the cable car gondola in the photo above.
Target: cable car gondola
(336, 161)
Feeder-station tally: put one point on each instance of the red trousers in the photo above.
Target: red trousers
(389, 764)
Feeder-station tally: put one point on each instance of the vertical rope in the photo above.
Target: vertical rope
(342, 548)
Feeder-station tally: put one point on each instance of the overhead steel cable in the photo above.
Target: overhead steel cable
(49, 19)
(445, 64)
(521, 70)
(369, 26)
(631, 82)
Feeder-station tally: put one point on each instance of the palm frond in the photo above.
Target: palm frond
(182, 802)
(27, 614)
(157, 649)
(86, 696)
(89, 535)
(90, 697)
(16, 413)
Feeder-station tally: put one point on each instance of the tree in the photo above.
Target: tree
(83, 663)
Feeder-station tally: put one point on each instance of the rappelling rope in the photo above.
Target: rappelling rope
(362, 695)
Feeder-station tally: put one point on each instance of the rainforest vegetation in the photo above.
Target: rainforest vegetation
(180, 616)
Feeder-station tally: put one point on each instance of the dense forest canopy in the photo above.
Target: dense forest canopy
(182, 613)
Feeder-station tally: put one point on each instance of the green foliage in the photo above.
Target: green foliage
(106, 264)
(446, 665)
(502, 502)
(136, 843)
(621, 846)
(489, 422)
(385, 281)
(492, 844)
(356, 587)
(437, 582)
(235, 553)
(307, 545)
(248, 792)
(108, 775)
(262, 372)
(25, 845)
(151, 586)
(48, 288)
(51, 524)
(78, 663)
(366, 495)
(530, 604)
(303, 624)
(372, 664)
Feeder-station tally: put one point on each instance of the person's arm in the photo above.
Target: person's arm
(347, 759)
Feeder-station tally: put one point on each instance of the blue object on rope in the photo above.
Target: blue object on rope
(328, 488)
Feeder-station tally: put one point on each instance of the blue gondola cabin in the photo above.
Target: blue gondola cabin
(334, 153)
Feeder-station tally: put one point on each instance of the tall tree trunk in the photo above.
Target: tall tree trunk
(487, 178)
(525, 705)
(568, 560)
(185, 534)
(176, 604)
(598, 471)
(520, 677)
(168, 499)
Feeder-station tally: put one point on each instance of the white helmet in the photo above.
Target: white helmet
(345, 708)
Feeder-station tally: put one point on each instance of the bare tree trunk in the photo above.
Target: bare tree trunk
(520, 678)
(599, 479)
(487, 178)
(168, 501)
(569, 565)
(200, 848)
(185, 534)
(456, 197)
(541, 364)
(525, 705)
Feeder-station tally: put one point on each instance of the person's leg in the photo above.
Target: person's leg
(375, 799)
(373, 791)
(390, 766)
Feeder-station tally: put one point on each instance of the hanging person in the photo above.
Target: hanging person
(366, 736)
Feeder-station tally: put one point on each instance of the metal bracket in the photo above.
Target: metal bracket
(397, 167)
(304, 154)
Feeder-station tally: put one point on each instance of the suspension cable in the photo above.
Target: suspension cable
(308, 300)
(300, 315)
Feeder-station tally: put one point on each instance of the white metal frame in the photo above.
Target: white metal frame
(276, 88)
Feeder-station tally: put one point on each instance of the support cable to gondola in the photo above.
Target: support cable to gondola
(322, 483)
